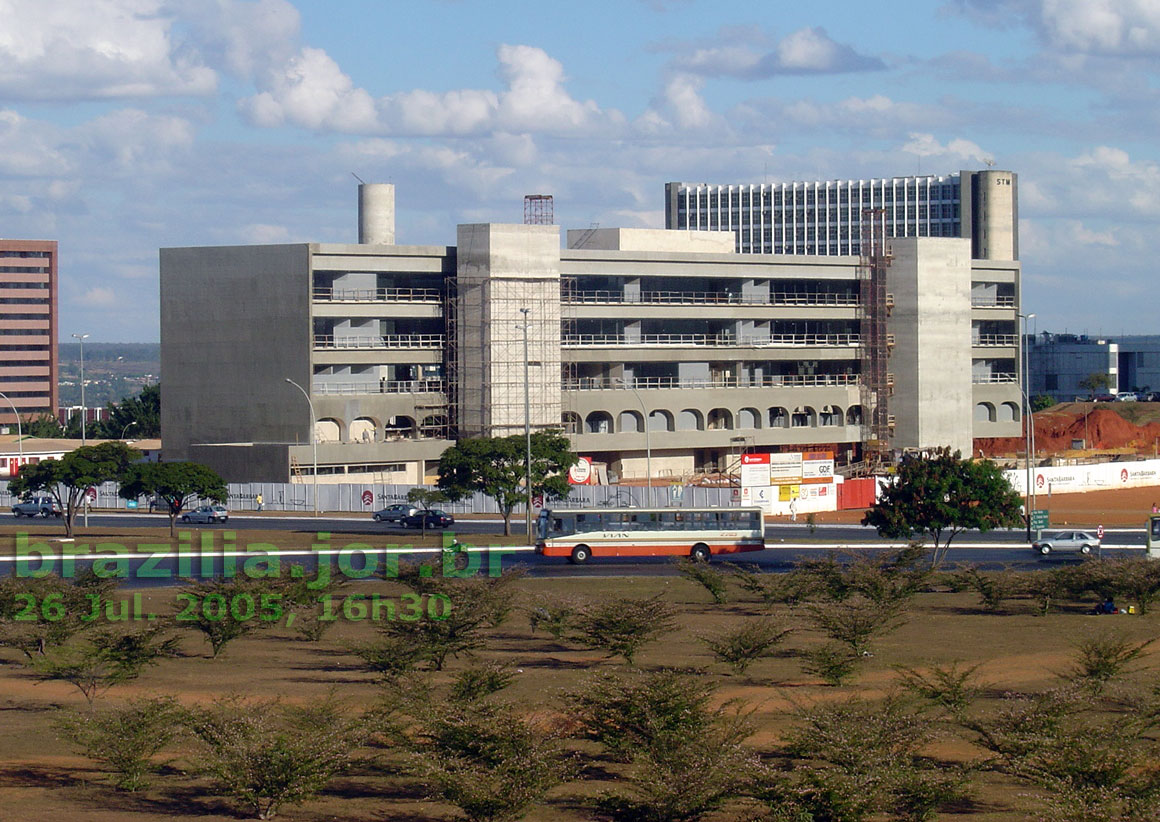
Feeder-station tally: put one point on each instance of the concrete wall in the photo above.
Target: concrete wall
(992, 198)
(235, 324)
(931, 361)
(647, 239)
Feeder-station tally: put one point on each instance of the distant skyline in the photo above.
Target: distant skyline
(130, 125)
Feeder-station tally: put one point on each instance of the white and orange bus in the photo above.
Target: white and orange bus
(582, 533)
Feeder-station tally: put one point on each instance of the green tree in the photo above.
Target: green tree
(425, 498)
(941, 493)
(143, 412)
(1041, 402)
(621, 627)
(106, 659)
(495, 466)
(1098, 381)
(45, 426)
(126, 738)
(67, 479)
(175, 483)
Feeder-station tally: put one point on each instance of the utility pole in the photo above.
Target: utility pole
(527, 427)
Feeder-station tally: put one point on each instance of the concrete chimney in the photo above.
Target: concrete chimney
(376, 214)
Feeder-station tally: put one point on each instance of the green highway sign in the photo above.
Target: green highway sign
(1040, 519)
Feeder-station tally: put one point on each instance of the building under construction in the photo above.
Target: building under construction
(647, 347)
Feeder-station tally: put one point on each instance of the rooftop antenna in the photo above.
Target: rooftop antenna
(989, 161)
(360, 179)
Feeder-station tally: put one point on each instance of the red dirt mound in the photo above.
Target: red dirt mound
(1055, 430)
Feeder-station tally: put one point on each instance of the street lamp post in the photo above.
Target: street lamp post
(1028, 422)
(84, 411)
(127, 427)
(19, 434)
(647, 445)
(313, 438)
(527, 427)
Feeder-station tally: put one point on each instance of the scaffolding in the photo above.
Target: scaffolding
(539, 209)
(873, 311)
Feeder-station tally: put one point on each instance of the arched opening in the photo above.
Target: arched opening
(1008, 412)
(778, 418)
(399, 428)
(598, 422)
(854, 415)
(660, 421)
(630, 422)
(720, 419)
(803, 417)
(690, 420)
(570, 421)
(363, 429)
(831, 415)
(328, 430)
(984, 412)
(748, 418)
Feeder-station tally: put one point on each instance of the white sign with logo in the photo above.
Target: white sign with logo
(581, 472)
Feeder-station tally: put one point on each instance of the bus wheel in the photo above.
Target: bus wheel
(700, 552)
(580, 554)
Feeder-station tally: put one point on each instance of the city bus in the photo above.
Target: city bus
(1153, 536)
(582, 533)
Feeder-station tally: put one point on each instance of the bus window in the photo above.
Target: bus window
(645, 522)
(1156, 530)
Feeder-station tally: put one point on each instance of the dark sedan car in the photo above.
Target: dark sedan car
(432, 518)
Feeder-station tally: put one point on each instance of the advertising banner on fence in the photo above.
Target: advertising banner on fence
(817, 466)
(785, 469)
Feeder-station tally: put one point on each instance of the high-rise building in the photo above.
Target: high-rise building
(650, 348)
(28, 329)
(825, 217)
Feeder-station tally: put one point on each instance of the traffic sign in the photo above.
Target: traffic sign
(1040, 519)
(1099, 532)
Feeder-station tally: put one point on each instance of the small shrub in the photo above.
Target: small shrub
(553, 617)
(105, 659)
(480, 681)
(266, 754)
(950, 687)
(833, 662)
(390, 656)
(772, 589)
(705, 575)
(1101, 659)
(125, 739)
(856, 621)
(212, 614)
(993, 587)
(621, 627)
(739, 648)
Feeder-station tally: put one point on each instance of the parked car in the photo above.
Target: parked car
(207, 513)
(1151, 396)
(430, 518)
(1127, 396)
(395, 513)
(36, 507)
(1082, 542)
(1104, 398)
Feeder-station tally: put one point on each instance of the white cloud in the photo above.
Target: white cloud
(737, 52)
(99, 296)
(957, 151)
(70, 49)
(1113, 27)
(263, 234)
(1085, 236)
(682, 96)
(312, 91)
(29, 148)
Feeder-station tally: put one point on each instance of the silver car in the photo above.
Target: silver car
(1082, 542)
(207, 513)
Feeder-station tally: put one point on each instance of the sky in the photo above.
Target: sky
(132, 125)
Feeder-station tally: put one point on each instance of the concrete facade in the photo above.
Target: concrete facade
(639, 341)
(28, 329)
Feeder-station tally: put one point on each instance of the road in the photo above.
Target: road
(788, 544)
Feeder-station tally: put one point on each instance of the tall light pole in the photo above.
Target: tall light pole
(647, 446)
(1028, 421)
(84, 410)
(127, 427)
(527, 426)
(19, 435)
(313, 438)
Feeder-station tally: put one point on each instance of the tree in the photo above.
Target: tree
(126, 738)
(621, 627)
(143, 412)
(1098, 381)
(943, 493)
(45, 426)
(495, 466)
(1041, 402)
(108, 658)
(175, 483)
(425, 498)
(68, 478)
(267, 754)
(743, 645)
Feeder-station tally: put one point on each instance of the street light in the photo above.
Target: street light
(19, 434)
(313, 438)
(1028, 421)
(647, 446)
(127, 427)
(84, 410)
(527, 427)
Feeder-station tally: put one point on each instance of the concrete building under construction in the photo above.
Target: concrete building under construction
(636, 342)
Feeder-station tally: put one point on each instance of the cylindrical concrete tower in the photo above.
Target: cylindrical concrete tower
(376, 214)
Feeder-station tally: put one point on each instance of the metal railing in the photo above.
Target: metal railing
(993, 301)
(995, 340)
(710, 298)
(771, 341)
(382, 387)
(388, 295)
(780, 381)
(989, 379)
(381, 341)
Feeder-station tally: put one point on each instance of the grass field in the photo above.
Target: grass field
(43, 778)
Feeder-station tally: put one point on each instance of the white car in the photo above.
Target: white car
(206, 514)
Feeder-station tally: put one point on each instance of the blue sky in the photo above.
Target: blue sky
(130, 125)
